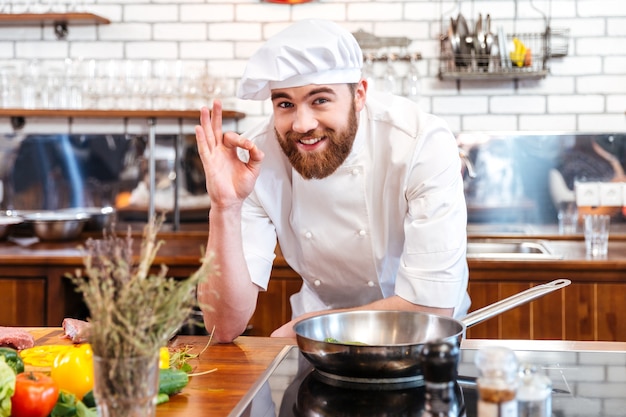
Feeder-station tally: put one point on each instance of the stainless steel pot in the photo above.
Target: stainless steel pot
(384, 346)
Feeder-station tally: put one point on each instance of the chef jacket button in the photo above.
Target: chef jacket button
(355, 171)
(308, 235)
(317, 282)
(370, 283)
(362, 232)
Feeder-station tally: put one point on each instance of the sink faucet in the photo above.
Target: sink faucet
(471, 172)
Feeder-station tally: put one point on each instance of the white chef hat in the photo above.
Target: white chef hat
(313, 51)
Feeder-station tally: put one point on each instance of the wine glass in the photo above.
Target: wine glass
(389, 79)
(412, 80)
(368, 72)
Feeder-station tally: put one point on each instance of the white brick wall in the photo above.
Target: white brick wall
(585, 91)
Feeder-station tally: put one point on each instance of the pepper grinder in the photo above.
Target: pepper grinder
(439, 366)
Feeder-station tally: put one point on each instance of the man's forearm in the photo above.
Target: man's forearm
(228, 298)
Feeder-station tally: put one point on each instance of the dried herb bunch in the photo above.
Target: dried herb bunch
(133, 312)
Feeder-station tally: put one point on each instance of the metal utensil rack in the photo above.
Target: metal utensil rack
(466, 64)
(372, 46)
(457, 66)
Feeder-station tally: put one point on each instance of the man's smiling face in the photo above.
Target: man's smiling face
(316, 125)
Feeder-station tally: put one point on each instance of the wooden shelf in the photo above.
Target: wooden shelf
(108, 114)
(38, 18)
(59, 21)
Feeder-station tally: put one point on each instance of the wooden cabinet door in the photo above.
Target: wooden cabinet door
(611, 312)
(513, 324)
(273, 308)
(580, 311)
(580, 308)
(22, 302)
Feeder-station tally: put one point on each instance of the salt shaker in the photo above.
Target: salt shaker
(534, 394)
(497, 382)
(439, 366)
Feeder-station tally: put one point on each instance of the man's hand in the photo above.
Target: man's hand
(286, 330)
(228, 180)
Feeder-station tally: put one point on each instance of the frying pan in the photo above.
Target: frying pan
(378, 346)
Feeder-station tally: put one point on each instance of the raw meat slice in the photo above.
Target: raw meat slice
(16, 338)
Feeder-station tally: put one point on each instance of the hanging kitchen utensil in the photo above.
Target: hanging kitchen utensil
(464, 56)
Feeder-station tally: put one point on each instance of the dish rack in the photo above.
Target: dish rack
(456, 65)
(476, 52)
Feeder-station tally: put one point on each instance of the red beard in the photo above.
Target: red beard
(320, 164)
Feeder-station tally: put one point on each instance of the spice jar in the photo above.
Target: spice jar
(534, 394)
(497, 382)
(439, 365)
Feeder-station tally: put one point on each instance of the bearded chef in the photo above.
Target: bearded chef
(362, 191)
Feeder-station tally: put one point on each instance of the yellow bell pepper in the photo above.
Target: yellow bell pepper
(72, 370)
(164, 358)
(42, 356)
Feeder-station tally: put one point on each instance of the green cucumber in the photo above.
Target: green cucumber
(172, 381)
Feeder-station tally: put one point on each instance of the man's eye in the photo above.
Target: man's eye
(284, 105)
(321, 101)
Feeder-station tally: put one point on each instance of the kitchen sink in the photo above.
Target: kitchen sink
(513, 249)
(498, 228)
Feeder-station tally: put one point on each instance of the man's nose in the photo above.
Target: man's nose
(304, 120)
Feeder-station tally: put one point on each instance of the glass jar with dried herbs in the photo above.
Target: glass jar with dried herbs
(133, 312)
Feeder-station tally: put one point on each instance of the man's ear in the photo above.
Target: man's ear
(359, 94)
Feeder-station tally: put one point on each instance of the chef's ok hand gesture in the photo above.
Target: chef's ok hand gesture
(228, 179)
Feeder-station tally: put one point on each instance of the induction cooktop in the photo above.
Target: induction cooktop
(584, 383)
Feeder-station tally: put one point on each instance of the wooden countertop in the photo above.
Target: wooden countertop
(237, 367)
(185, 247)
(240, 365)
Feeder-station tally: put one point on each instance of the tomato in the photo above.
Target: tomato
(35, 395)
(72, 370)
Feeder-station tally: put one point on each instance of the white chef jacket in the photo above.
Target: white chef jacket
(390, 220)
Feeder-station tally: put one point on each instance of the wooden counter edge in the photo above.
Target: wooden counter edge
(49, 334)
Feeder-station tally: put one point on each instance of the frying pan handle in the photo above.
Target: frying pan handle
(513, 301)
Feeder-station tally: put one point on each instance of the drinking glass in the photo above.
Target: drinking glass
(597, 235)
(568, 217)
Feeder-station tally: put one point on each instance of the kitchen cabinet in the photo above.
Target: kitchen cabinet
(591, 308)
(35, 292)
(273, 306)
(581, 311)
(13, 290)
(35, 295)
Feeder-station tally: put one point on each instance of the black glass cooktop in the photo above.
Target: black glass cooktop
(584, 384)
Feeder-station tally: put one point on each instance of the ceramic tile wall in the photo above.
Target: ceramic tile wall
(586, 90)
